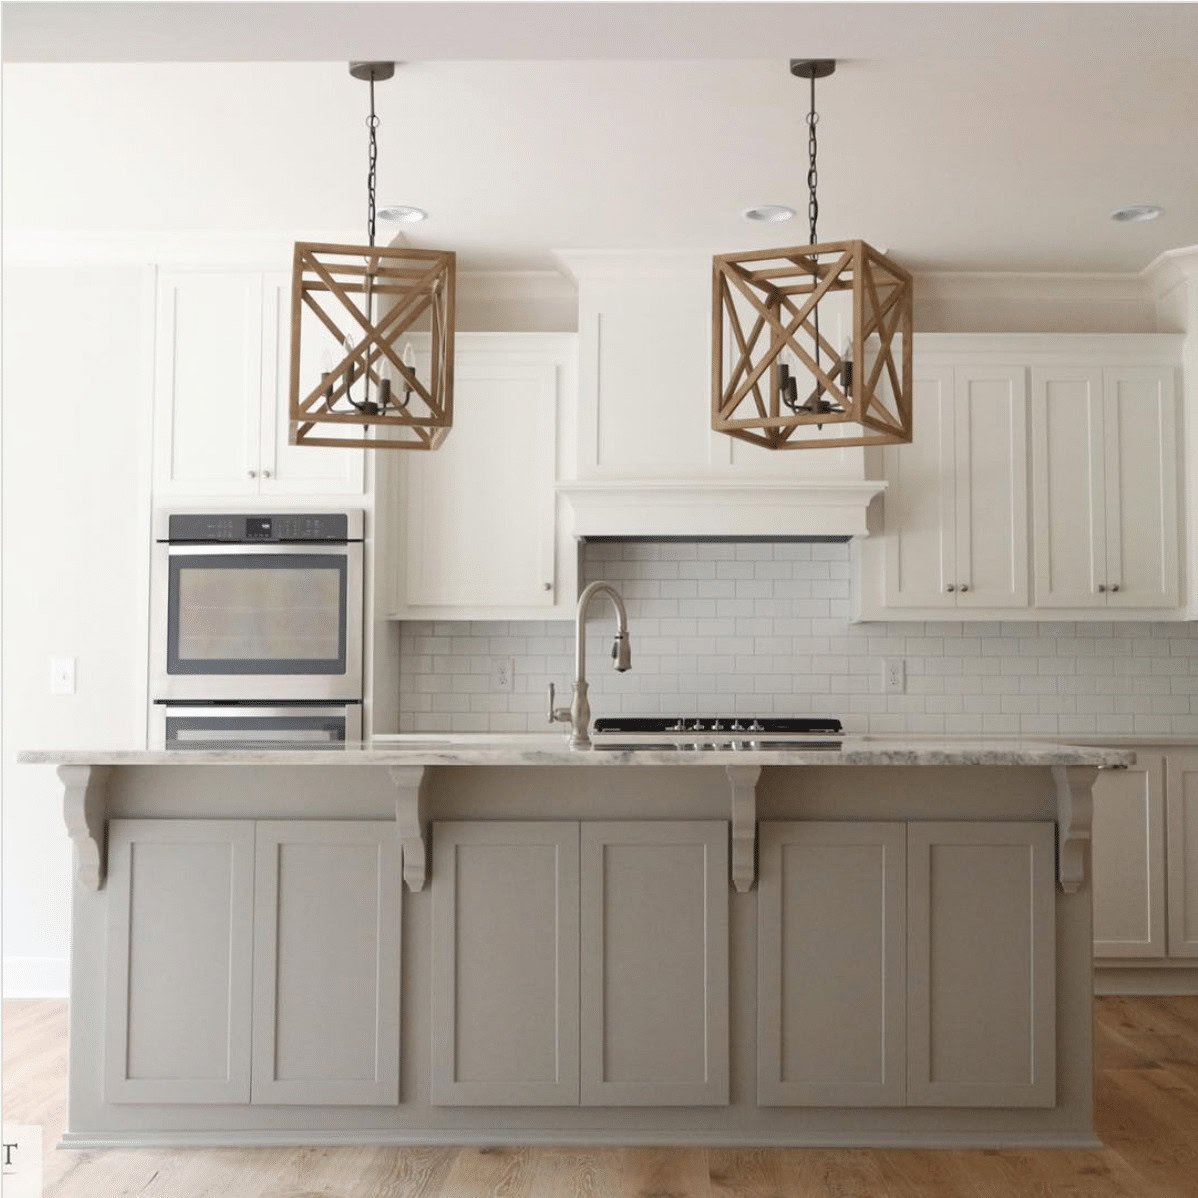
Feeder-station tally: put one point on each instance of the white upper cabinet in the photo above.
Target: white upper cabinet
(477, 526)
(956, 508)
(1105, 487)
(221, 386)
(1043, 477)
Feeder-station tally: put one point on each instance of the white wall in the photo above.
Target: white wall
(75, 552)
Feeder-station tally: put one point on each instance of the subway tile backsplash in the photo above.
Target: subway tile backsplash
(761, 629)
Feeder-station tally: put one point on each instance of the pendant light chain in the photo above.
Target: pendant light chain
(812, 172)
(372, 123)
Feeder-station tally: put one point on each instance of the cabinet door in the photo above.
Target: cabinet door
(505, 964)
(208, 378)
(1141, 488)
(981, 958)
(655, 963)
(991, 466)
(326, 968)
(1068, 488)
(1183, 854)
(1128, 850)
(180, 927)
(831, 964)
(479, 515)
(921, 500)
(295, 469)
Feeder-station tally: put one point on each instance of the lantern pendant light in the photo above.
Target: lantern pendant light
(811, 345)
(356, 314)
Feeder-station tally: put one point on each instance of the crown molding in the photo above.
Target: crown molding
(1171, 269)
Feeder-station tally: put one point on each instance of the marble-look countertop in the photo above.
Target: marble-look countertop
(517, 749)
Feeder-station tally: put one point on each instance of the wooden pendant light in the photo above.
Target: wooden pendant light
(811, 344)
(369, 307)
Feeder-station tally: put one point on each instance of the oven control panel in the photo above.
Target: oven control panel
(277, 528)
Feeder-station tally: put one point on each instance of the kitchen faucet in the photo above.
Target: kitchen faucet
(578, 714)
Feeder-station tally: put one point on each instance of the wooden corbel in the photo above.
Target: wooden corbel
(85, 813)
(1075, 814)
(743, 779)
(410, 782)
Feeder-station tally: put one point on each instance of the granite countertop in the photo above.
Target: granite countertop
(552, 749)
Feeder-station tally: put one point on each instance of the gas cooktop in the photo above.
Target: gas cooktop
(715, 725)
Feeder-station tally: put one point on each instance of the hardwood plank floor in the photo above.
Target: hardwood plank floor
(1146, 1102)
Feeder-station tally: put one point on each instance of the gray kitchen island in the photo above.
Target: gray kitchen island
(500, 940)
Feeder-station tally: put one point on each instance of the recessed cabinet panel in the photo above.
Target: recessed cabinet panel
(327, 945)
(1068, 488)
(981, 1025)
(180, 918)
(505, 964)
(1128, 853)
(991, 478)
(1183, 854)
(208, 380)
(479, 513)
(654, 963)
(286, 468)
(831, 951)
(1141, 485)
(921, 500)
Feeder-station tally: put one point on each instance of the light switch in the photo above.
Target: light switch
(62, 675)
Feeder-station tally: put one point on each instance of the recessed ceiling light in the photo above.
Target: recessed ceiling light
(771, 214)
(403, 214)
(1136, 213)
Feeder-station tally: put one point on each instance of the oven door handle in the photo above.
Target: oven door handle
(341, 549)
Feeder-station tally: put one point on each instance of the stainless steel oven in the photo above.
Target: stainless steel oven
(262, 607)
(242, 725)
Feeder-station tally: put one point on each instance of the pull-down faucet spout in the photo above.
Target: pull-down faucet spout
(578, 714)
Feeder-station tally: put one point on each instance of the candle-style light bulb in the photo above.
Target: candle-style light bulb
(409, 361)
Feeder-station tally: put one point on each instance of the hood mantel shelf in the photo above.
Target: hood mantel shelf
(720, 508)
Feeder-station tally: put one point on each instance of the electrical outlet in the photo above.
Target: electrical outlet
(503, 673)
(894, 676)
(62, 675)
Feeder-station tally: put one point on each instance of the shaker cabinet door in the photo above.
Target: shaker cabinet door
(654, 963)
(327, 960)
(180, 928)
(1128, 852)
(981, 959)
(505, 963)
(1183, 854)
(831, 964)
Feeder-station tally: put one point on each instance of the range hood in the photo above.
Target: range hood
(771, 509)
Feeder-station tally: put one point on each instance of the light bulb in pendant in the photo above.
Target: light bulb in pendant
(409, 361)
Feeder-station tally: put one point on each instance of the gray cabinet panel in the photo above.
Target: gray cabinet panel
(327, 961)
(180, 904)
(831, 945)
(654, 1024)
(1183, 854)
(505, 964)
(981, 964)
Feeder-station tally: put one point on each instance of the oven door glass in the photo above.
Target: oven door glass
(279, 613)
(280, 732)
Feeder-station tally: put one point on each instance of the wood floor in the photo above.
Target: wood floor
(1147, 1100)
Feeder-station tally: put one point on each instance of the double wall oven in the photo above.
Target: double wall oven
(256, 628)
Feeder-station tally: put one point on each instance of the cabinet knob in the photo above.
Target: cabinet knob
(1114, 586)
(965, 586)
(266, 474)
(951, 587)
(251, 474)
(1102, 588)
(546, 586)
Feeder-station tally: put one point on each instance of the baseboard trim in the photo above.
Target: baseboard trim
(1147, 981)
(509, 1137)
(36, 977)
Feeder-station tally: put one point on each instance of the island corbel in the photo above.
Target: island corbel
(85, 812)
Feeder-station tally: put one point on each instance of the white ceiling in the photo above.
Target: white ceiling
(619, 126)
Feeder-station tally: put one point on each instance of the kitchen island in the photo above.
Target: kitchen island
(500, 940)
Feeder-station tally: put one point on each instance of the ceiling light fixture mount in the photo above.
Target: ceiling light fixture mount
(778, 317)
(353, 306)
(770, 214)
(1136, 214)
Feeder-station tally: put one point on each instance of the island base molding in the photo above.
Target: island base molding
(609, 1138)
